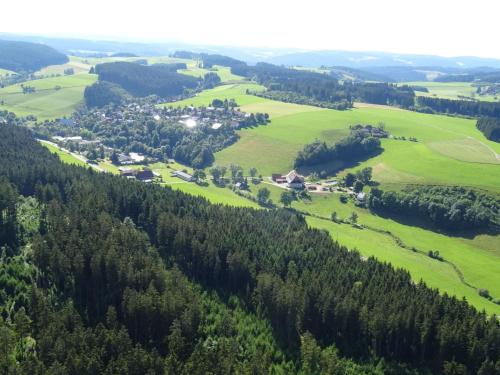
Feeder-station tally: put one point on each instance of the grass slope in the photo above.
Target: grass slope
(47, 101)
(232, 91)
(222, 71)
(65, 157)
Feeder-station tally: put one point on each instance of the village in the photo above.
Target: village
(142, 132)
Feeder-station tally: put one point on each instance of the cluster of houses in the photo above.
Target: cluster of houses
(211, 117)
(76, 140)
(130, 158)
(144, 174)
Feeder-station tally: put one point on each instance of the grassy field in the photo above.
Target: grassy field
(54, 97)
(222, 71)
(65, 157)
(463, 157)
(232, 91)
(451, 90)
(74, 63)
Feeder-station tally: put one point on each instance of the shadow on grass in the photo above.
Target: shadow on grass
(331, 168)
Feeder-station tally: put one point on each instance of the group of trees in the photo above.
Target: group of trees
(103, 93)
(140, 80)
(359, 179)
(490, 128)
(120, 80)
(25, 57)
(458, 107)
(293, 97)
(452, 208)
(323, 88)
(355, 147)
(116, 261)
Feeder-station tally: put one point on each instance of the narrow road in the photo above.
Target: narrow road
(76, 156)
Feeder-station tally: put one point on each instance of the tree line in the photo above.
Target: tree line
(324, 87)
(458, 107)
(25, 57)
(490, 127)
(357, 146)
(452, 208)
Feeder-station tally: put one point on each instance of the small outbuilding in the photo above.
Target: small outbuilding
(183, 176)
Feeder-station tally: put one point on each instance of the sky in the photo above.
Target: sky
(439, 27)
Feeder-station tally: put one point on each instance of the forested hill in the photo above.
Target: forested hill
(102, 287)
(28, 57)
(325, 87)
(141, 80)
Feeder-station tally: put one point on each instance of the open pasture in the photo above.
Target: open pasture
(235, 91)
(272, 148)
(451, 90)
(53, 97)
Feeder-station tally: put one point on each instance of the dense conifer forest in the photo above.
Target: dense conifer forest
(325, 87)
(28, 57)
(140, 80)
(105, 275)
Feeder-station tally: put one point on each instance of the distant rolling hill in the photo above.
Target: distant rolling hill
(28, 57)
(356, 59)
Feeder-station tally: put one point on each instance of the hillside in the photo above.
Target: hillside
(28, 57)
(141, 80)
(49, 97)
(449, 151)
(152, 254)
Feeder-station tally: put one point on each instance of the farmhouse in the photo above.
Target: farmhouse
(294, 180)
(361, 197)
(145, 175)
(182, 175)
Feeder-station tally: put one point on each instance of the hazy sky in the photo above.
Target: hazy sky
(442, 27)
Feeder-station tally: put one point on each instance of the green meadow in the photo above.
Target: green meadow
(222, 71)
(53, 97)
(236, 91)
(65, 157)
(449, 151)
(451, 90)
